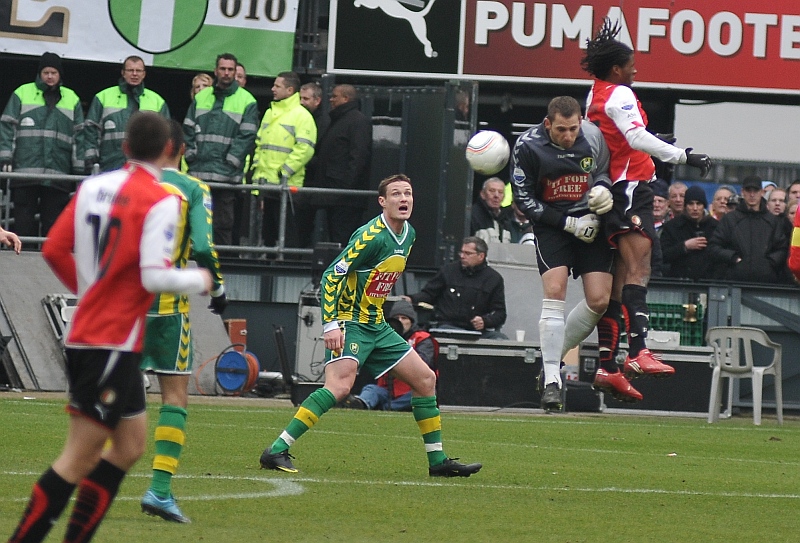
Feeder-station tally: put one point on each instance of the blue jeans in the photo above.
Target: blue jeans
(378, 398)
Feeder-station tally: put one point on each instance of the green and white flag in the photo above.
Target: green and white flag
(184, 34)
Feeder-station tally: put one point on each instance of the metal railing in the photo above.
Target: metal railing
(286, 192)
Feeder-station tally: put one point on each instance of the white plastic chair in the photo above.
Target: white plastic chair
(733, 358)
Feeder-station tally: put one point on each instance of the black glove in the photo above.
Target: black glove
(697, 160)
(218, 304)
(666, 138)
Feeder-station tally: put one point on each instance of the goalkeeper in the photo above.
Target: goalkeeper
(168, 337)
(559, 172)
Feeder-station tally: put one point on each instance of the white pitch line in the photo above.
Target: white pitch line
(292, 487)
(282, 488)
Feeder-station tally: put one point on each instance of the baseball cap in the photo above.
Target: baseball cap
(751, 182)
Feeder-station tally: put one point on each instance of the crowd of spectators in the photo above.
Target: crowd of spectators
(46, 129)
(737, 235)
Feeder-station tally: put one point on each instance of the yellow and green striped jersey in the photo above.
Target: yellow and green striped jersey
(194, 236)
(357, 282)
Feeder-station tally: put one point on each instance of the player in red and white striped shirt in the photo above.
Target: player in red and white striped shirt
(112, 245)
(614, 108)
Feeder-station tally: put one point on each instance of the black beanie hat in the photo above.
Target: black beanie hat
(695, 194)
(51, 60)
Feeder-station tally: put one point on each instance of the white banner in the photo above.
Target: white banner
(184, 34)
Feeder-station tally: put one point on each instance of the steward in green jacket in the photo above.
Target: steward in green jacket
(220, 129)
(109, 113)
(41, 131)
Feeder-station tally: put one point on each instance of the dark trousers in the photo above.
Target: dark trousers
(48, 202)
(271, 222)
(241, 216)
(223, 202)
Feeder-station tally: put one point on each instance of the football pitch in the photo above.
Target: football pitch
(363, 477)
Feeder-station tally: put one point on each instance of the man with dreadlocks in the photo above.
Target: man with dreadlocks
(616, 110)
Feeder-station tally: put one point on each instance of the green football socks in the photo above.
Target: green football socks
(426, 413)
(170, 437)
(317, 404)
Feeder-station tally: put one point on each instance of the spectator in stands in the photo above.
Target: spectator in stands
(719, 205)
(791, 211)
(41, 131)
(660, 210)
(241, 207)
(241, 75)
(467, 294)
(311, 98)
(220, 129)
(390, 393)
(660, 201)
(684, 239)
(766, 188)
(776, 201)
(305, 210)
(284, 145)
(342, 161)
(109, 113)
(676, 192)
(490, 221)
(793, 190)
(199, 82)
(750, 243)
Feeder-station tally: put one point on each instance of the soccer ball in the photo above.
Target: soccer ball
(487, 152)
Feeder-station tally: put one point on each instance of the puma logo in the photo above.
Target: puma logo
(395, 8)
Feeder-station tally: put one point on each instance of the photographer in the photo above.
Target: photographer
(684, 239)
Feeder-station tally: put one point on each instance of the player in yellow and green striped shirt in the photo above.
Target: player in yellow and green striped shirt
(356, 335)
(168, 336)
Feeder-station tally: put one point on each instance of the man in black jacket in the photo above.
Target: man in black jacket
(467, 293)
(684, 239)
(342, 161)
(750, 241)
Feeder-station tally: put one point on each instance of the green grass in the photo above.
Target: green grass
(363, 477)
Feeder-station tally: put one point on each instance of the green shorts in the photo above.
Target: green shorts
(377, 347)
(167, 344)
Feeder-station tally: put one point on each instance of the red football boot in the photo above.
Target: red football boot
(646, 363)
(617, 385)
